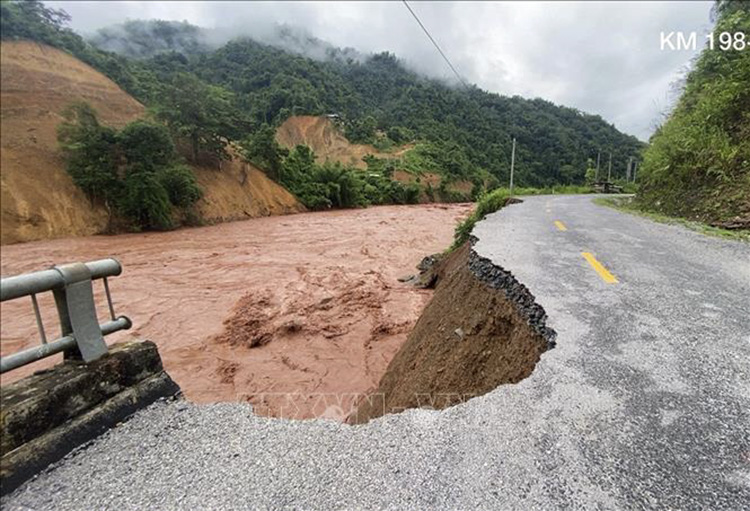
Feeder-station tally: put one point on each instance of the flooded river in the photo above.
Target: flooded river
(297, 314)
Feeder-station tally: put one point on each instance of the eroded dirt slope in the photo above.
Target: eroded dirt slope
(39, 199)
(324, 138)
(329, 144)
(480, 330)
(240, 190)
(318, 293)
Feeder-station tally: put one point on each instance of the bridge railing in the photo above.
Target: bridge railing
(71, 285)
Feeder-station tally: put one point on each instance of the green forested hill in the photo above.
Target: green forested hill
(235, 89)
(698, 163)
(474, 126)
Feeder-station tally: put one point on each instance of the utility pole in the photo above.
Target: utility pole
(512, 163)
(609, 172)
(598, 155)
(635, 169)
(628, 169)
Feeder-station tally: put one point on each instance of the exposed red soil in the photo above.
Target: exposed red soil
(327, 142)
(38, 198)
(469, 339)
(298, 315)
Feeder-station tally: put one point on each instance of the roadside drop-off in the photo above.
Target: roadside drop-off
(481, 329)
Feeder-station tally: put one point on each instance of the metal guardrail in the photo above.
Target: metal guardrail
(71, 284)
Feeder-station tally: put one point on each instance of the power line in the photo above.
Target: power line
(435, 44)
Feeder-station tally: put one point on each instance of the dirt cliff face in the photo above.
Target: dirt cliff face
(481, 329)
(39, 199)
(240, 190)
(327, 141)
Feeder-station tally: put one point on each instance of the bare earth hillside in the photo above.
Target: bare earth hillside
(39, 199)
(240, 190)
(325, 139)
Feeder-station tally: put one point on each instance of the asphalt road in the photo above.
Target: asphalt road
(643, 404)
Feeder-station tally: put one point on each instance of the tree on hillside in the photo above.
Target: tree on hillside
(154, 181)
(135, 173)
(148, 143)
(31, 19)
(570, 175)
(91, 153)
(362, 130)
(400, 135)
(145, 201)
(262, 150)
(200, 113)
(299, 162)
(180, 184)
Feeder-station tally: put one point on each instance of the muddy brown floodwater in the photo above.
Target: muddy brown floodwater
(299, 315)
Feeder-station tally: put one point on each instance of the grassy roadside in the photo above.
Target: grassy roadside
(497, 199)
(627, 205)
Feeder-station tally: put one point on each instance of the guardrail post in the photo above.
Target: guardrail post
(71, 285)
(77, 312)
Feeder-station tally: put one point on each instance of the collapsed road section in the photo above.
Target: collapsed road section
(481, 329)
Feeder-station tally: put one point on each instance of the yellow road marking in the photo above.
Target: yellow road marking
(560, 225)
(601, 270)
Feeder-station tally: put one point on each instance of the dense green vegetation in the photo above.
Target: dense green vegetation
(698, 163)
(330, 185)
(262, 150)
(381, 102)
(135, 173)
(201, 114)
(227, 94)
(335, 185)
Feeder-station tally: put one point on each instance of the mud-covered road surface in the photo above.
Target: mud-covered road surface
(297, 314)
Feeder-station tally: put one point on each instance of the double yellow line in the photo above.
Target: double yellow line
(596, 265)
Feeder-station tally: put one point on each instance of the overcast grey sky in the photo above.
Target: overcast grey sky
(600, 57)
